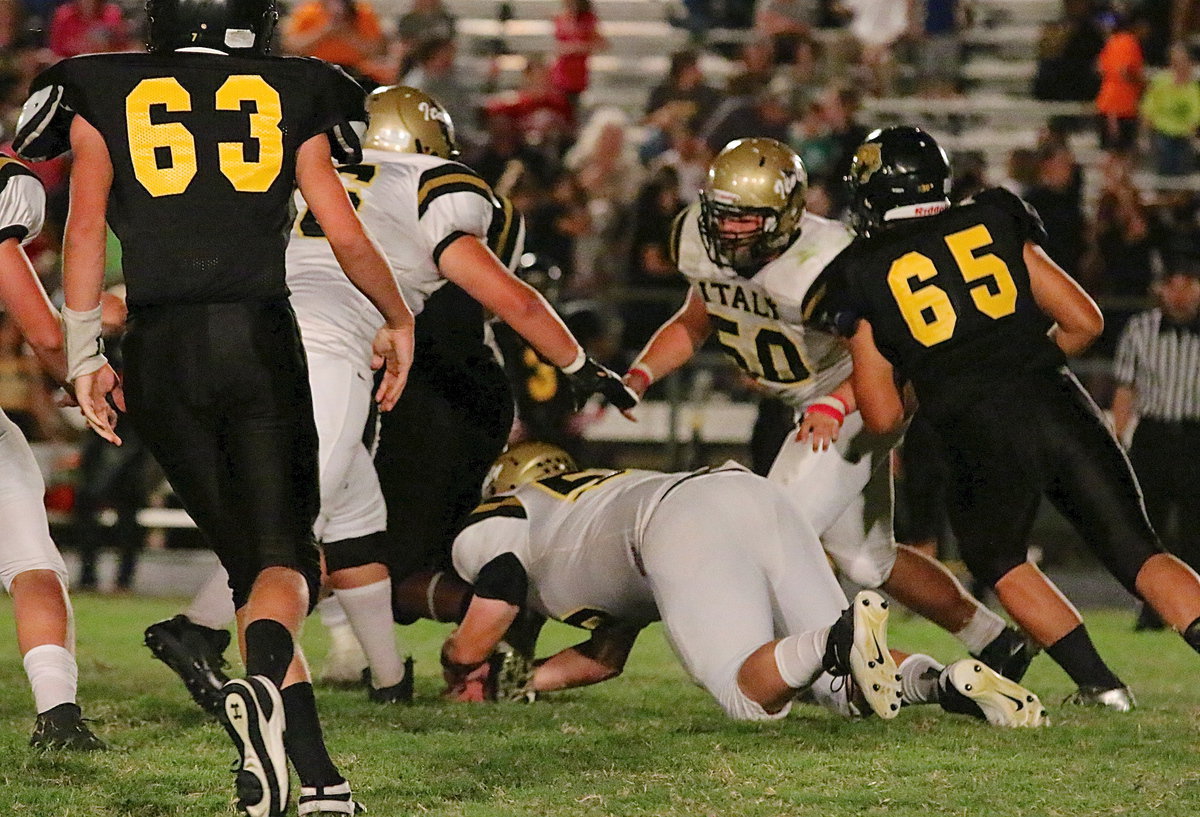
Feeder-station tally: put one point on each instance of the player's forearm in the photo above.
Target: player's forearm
(25, 300)
(671, 347)
(534, 320)
(366, 267)
(481, 629)
(571, 668)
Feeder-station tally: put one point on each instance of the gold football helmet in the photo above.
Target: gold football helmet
(751, 203)
(524, 463)
(406, 120)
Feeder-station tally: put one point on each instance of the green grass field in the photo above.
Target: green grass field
(649, 743)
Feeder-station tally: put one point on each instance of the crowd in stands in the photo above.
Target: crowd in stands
(599, 186)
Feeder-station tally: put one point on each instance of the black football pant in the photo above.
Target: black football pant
(1166, 458)
(1041, 434)
(219, 394)
(434, 451)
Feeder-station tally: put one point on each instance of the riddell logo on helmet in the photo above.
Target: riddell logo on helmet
(928, 209)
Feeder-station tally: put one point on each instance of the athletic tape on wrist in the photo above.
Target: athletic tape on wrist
(84, 348)
(830, 406)
(576, 364)
(644, 370)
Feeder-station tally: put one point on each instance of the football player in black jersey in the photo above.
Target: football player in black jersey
(191, 152)
(962, 302)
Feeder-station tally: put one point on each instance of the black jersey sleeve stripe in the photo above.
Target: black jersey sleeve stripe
(505, 506)
(503, 234)
(10, 168)
(451, 183)
(677, 235)
(444, 243)
(17, 231)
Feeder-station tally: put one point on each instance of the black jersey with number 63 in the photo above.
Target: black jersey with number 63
(203, 149)
(949, 299)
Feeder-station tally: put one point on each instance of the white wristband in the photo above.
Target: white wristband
(576, 364)
(85, 350)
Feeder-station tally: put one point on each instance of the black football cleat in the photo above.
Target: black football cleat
(1009, 654)
(400, 693)
(970, 687)
(1118, 699)
(857, 647)
(196, 654)
(63, 727)
(255, 721)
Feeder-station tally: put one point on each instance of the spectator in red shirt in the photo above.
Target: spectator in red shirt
(577, 36)
(542, 113)
(88, 27)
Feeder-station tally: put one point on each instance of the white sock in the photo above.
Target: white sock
(917, 684)
(213, 605)
(53, 676)
(332, 614)
(981, 630)
(798, 657)
(369, 609)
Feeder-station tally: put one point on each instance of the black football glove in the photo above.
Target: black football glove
(592, 378)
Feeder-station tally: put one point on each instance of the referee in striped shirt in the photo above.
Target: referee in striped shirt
(1157, 371)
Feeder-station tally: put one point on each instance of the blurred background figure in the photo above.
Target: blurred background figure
(1157, 370)
(88, 27)
(576, 37)
(343, 32)
(1121, 65)
(1170, 111)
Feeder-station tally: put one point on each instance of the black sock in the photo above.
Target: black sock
(1076, 654)
(303, 740)
(1192, 635)
(269, 649)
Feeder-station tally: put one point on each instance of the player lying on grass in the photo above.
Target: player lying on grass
(963, 302)
(31, 568)
(723, 558)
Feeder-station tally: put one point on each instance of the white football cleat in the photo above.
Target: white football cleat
(970, 687)
(328, 800)
(858, 647)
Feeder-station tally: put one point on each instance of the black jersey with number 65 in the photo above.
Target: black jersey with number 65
(203, 148)
(948, 298)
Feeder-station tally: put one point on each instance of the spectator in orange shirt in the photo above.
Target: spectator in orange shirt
(1120, 65)
(88, 27)
(344, 32)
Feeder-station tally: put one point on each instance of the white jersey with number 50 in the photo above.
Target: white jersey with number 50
(414, 206)
(758, 321)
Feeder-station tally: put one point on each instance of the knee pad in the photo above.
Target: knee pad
(740, 707)
(356, 552)
(866, 569)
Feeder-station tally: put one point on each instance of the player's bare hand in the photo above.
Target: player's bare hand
(821, 429)
(97, 394)
(637, 383)
(393, 349)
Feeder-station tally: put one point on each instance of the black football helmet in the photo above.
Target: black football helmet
(899, 172)
(232, 26)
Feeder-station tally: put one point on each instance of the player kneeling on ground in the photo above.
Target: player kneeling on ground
(612, 551)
